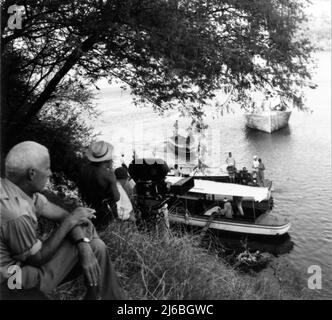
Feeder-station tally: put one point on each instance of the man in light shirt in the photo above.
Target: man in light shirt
(74, 243)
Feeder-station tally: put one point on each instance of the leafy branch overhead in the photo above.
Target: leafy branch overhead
(172, 53)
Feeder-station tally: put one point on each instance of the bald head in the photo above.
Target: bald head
(24, 156)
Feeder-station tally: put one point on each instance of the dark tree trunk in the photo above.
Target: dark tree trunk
(27, 112)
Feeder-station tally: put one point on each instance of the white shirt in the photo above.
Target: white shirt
(255, 164)
(230, 161)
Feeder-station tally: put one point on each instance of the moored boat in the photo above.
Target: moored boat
(200, 205)
(270, 226)
(267, 121)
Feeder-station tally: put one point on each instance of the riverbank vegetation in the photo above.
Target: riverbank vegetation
(175, 265)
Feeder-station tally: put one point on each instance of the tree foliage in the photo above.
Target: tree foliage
(61, 125)
(172, 53)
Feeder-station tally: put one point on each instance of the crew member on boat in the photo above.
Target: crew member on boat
(227, 211)
(255, 165)
(260, 174)
(176, 171)
(230, 161)
(238, 204)
(244, 176)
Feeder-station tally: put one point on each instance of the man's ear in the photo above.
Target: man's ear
(31, 174)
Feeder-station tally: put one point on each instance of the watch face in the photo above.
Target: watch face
(87, 240)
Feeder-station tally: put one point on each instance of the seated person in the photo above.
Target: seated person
(126, 181)
(238, 205)
(126, 190)
(227, 210)
(176, 171)
(253, 180)
(97, 183)
(45, 264)
(244, 176)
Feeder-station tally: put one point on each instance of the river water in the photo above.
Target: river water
(297, 160)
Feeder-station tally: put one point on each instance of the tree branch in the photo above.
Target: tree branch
(28, 111)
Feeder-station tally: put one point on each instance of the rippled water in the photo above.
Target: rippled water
(297, 159)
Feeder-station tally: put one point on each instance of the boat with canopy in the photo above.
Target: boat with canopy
(202, 203)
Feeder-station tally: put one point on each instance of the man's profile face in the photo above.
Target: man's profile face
(42, 174)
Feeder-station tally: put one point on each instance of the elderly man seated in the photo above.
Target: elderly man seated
(75, 243)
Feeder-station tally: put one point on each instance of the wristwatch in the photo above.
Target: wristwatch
(86, 240)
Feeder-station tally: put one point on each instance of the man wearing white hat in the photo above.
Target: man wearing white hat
(97, 183)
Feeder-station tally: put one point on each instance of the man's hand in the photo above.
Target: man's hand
(89, 263)
(80, 216)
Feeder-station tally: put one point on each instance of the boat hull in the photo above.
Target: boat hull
(266, 229)
(268, 121)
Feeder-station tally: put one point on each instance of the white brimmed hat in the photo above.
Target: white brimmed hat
(100, 151)
(255, 157)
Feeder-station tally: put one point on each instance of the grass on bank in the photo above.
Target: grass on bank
(175, 266)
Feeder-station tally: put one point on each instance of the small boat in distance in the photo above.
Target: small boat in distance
(267, 121)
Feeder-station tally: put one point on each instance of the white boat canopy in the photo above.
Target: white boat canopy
(225, 189)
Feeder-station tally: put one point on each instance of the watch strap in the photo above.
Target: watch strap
(86, 240)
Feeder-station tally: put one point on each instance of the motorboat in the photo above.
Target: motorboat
(201, 205)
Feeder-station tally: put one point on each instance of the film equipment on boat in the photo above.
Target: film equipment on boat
(152, 190)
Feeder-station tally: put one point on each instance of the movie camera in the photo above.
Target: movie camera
(152, 191)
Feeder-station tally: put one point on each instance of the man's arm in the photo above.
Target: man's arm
(55, 213)
(88, 260)
(50, 246)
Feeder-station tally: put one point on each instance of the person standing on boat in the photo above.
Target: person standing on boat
(255, 165)
(260, 175)
(230, 161)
